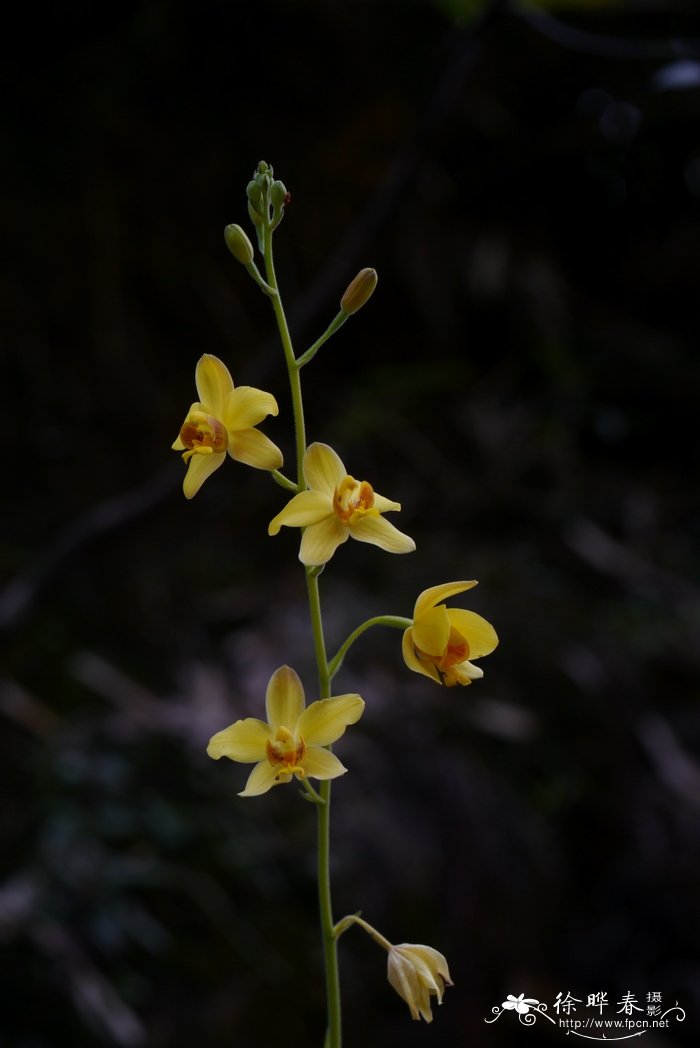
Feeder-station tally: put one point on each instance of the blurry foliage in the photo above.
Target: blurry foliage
(525, 381)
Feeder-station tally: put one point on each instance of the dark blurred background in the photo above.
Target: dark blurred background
(526, 180)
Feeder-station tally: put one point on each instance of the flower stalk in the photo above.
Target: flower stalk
(394, 621)
(330, 952)
(329, 506)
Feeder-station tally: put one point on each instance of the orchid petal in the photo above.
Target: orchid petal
(430, 597)
(431, 631)
(322, 764)
(478, 633)
(254, 449)
(323, 469)
(246, 407)
(324, 721)
(404, 979)
(261, 779)
(214, 383)
(379, 532)
(412, 660)
(320, 541)
(308, 507)
(245, 741)
(199, 468)
(284, 699)
(384, 505)
(465, 672)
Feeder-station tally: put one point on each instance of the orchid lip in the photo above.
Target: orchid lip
(202, 433)
(352, 498)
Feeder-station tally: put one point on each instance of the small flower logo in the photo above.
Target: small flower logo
(520, 1004)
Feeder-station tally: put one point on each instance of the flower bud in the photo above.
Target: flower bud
(278, 194)
(359, 291)
(255, 216)
(238, 244)
(255, 197)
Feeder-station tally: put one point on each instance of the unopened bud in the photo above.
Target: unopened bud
(278, 194)
(359, 291)
(238, 244)
(255, 216)
(255, 197)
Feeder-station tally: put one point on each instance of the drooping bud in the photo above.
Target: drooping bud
(238, 244)
(359, 291)
(416, 973)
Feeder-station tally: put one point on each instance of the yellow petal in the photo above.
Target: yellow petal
(416, 972)
(246, 407)
(412, 660)
(431, 965)
(244, 741)
(177, 444)
(431, 631)
(284, 700)
(308, 507)
(478, 633)
(214, 383)
(199, 468)
(385, 505)
(323, 469)
(404, 979)
(380, 532)
(324, 721)
(262, 778)
(254, 448)
(428, 598)
(464, 672)
(320, 541)
(322, 764)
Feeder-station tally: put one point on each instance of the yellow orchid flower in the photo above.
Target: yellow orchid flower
(224, 420)
(291, 743)
(416, 972)
(441, 640)
(335, 507)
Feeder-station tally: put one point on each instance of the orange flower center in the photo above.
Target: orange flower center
(203, 434)
(456, 651)
(287, 752)
(352, 499)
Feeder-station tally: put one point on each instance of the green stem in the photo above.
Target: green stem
(324, 815)
(311, 352)
(292, 369)
(354, 918)
(396, 621)
(284, 482)
(333, 1031)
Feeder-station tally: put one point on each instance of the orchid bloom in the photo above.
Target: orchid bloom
(416, 972)
(336, 507)
(442, 640)
(291, 743)
(224, 420)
